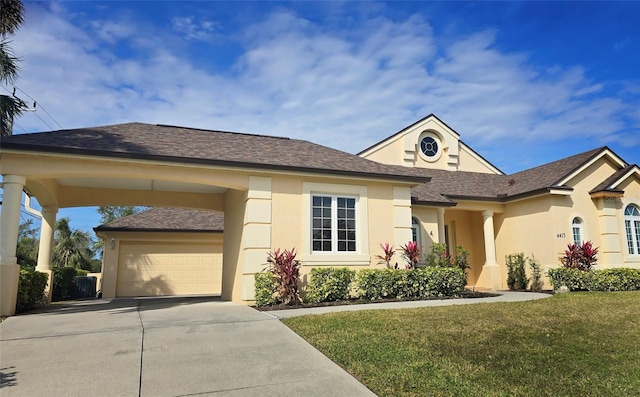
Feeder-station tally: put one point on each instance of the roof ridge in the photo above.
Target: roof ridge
(594, 151)
(223, 132)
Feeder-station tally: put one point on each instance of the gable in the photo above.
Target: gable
(428, 143)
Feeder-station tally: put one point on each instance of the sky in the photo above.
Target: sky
(523, 83)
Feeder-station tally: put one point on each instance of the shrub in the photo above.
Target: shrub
(64, 282)
(265, 289)
(31, 289)
(375, 284)
(372, 284)
(618, 279)
(329, 284)
(388, 254)
(573, 279)
(286, 271)
(536, 274)
(411, 254)
(581, 257)
(516, 272)
(438, 256)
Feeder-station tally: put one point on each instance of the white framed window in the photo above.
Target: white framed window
(333, 221)
(632, 228)
(577, 230)
(415, 231)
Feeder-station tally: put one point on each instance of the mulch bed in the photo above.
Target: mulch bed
(464, 295)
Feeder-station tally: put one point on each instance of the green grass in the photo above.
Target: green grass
(576, 344)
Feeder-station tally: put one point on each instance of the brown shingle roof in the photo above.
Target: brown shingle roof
(446, 186)
(605, 186)
(180, 144)
(168, 219)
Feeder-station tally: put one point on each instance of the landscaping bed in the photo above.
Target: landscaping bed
(463, 295)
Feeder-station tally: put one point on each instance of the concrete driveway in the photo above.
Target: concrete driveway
(162, 347)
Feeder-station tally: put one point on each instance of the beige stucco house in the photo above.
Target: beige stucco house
(421, 183)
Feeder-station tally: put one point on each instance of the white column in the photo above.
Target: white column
(490, 277)
(45, 250)
(9, 221)
(441, 236)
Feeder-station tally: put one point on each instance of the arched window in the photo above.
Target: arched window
(415, 231)
(576, 227)
(632, 228)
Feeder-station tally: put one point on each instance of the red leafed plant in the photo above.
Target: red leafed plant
(388, 254)
(286, 270)
(411, 253)
(580, 257)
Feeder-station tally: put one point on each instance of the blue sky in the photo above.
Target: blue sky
(524, 83)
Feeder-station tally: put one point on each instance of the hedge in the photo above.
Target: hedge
(329, 284)
(617, 279)
(64, 282)
(372, 284)
(31, 290)
(333, 284)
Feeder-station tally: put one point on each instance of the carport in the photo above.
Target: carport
(264, 186)
(131, 164)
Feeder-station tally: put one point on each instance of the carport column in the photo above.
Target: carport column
(441, 236)
(490, 276)
(257, 232)
(45, 250)
(9, 221)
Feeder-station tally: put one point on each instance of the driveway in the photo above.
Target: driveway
(162, 347)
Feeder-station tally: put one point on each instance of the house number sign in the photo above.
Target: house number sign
(561, 235)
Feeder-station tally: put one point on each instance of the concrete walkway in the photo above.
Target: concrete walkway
(505, 296)
(162, 347)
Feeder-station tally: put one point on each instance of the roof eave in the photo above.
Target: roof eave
(222, 163)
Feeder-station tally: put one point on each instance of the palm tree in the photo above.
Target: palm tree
(72, 247)
(11, 17)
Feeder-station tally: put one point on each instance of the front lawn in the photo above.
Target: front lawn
(576, 344)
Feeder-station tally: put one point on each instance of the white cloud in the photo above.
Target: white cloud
(345, 89)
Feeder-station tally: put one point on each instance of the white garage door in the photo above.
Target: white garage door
(157, 269)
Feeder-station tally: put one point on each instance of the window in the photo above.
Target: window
(576, 227)
(415, 231)
(632, 228)
(430, 146)
(333, 221)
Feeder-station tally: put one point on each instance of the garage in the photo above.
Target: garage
(163, 252)
(156, 269)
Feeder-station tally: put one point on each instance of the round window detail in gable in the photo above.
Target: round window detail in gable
(430, 146)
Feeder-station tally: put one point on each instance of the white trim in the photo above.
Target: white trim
(439, 142)
(479, 158)
(633, 170)
(561, 192)
(586, 165)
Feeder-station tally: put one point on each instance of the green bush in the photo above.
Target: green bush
(375, 284)
(536, 274)
(372, 284)
(265, 289)
(516, 272)
(618, 279)
(329, 284)
(64, 282)
(31, 289)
